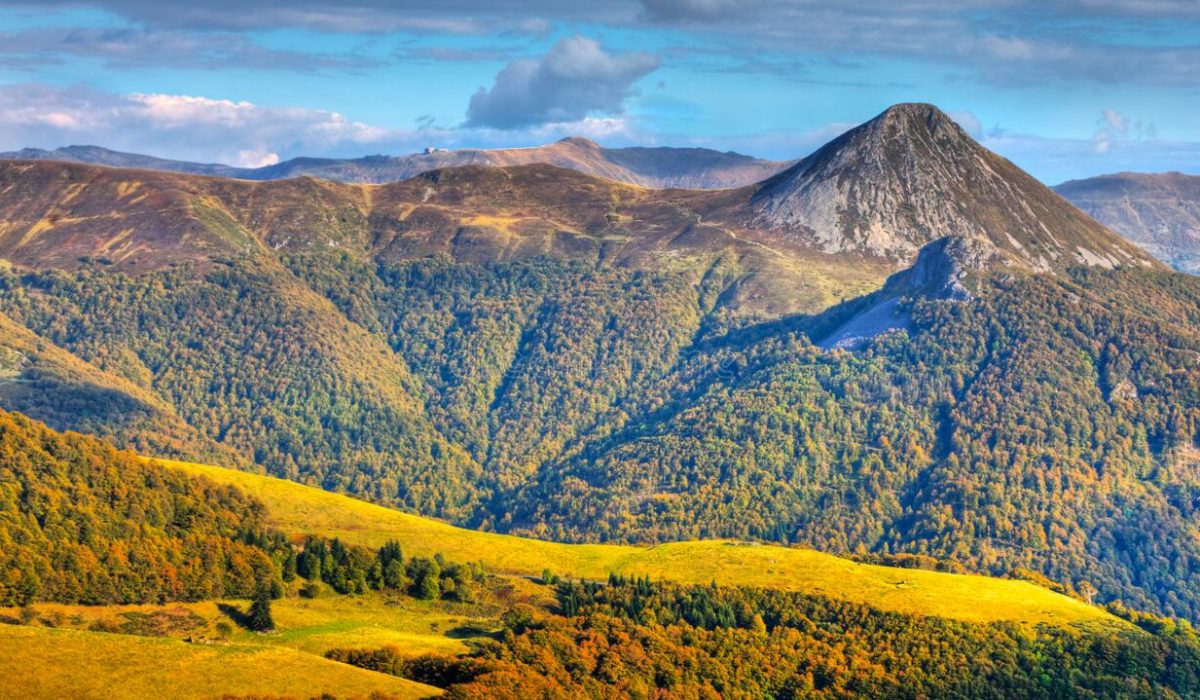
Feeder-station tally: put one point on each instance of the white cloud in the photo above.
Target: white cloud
(353, 16)
(1114, 127)
(256, 159)
(206, 129)
(576, 79)
(696, 10)
(969, 122)
(1113, 120)
(1055, 160)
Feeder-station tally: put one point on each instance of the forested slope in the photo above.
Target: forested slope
(531, 350)
(82, 522)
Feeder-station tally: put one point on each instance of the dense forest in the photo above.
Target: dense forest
(635, 638)
(1047, 423)
(81, 522)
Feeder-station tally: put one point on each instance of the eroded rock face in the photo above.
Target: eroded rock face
(912, 176)
(943, 270)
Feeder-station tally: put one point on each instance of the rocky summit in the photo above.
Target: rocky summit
(911, 176)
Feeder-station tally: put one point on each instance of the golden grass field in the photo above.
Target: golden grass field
(300, 510)
(313, 626)
(37, 662)
(72, 660)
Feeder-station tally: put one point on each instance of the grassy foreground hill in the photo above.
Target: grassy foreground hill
(75, 664)
(301, 510)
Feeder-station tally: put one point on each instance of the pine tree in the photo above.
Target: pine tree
(259, 618)
(288, 569)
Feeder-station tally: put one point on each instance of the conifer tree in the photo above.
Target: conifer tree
(259, 618)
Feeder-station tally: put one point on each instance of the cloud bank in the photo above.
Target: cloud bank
(183, 126)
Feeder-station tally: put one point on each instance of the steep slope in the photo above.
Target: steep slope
(1043, 423)
(911, 176)
(695, 168)
(50, 384)
(83, 523)
(1160, 212)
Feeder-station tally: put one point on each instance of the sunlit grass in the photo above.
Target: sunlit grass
(300, 510)
(313, 626)
(36, 662)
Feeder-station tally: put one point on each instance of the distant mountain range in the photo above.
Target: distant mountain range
(833, 225)
(1160, 212)
(689, 168)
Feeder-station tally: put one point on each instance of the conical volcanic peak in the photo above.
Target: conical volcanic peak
(911, 176)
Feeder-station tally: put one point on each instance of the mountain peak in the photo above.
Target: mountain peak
(914, 113)
(911, 176)
(580, 141)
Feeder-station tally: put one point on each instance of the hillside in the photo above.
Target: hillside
(534, 351)
(70, 216)
(84, 523)
(660, 167)
(50, 384)
(301, 510)
(137, 667)
(1160, 212)
(354, 612)
(98, 155)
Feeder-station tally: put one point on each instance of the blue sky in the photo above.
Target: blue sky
(1066, 89)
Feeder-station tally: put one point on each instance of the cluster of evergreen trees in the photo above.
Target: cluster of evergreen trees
(354, 569)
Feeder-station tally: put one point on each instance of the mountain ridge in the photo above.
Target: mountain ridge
(657, 167)
(911, 176)
(1158, 211)
(797, 242)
